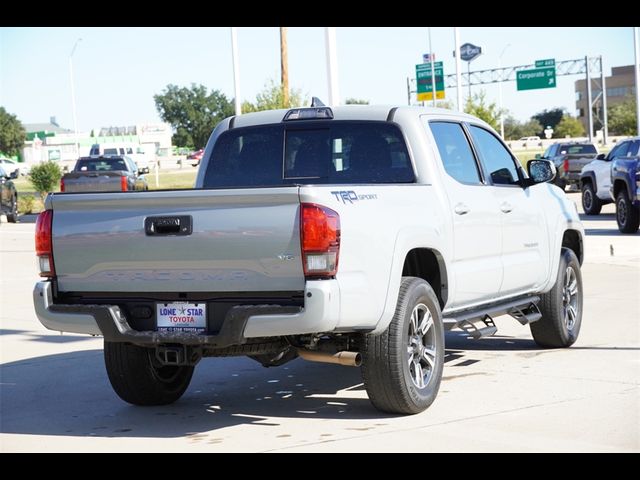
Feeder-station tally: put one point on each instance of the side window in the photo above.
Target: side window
(455, 152)
(619, 150)
(547, 152)
(496, 159)
(633, 149)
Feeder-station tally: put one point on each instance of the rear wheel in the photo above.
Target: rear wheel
(402, 366)
(627, 215)
(138, 378)
(591, 204)
(561, 307)
(12, 215)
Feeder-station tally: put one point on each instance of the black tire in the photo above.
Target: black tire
(627, 216)
(389, 374)
(12, 215)
(559, 327)
(560, 183)
(139, 379)
(591, 204)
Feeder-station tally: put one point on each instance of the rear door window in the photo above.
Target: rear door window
(455, 152)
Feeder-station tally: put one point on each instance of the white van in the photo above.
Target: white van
(136, 152)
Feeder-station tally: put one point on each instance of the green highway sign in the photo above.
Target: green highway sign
(549, 62)
(424, 83)
(536, 78)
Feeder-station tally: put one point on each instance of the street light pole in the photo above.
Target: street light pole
(456, 36)
(236, 71)
(500, 90)
(73, 96)
(433, 70)
(332, 65)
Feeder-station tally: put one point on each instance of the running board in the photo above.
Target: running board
(524, 310)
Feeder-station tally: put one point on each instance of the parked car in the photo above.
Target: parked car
(625, 181)
(196, 157)
(595, 177)
(103, 174)
(530, 141)
(8, 195)
(11, 166)
(346, 235)
(569, 158)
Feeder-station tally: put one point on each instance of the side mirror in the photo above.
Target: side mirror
(540, 171)
(538, 156)
(601, 156)
(13, 175)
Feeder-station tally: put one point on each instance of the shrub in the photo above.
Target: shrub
(45, 177)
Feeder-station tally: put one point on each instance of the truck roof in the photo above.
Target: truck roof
(350, 112)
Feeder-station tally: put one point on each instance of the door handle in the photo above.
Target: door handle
(461, 209)
(506, 207)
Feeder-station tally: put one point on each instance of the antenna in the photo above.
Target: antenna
(316, 102)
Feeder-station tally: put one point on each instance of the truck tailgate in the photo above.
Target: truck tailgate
(240, 240)
(576, 162)
(92, 182)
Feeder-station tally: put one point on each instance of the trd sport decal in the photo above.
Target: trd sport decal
(351, 196)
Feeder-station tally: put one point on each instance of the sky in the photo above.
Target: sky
(117, 70)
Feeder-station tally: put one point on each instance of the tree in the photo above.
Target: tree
(478, 106)
(192, 112)
(568, 127)
(272, 97)
(622, 117)
(12, 133)
(356, 101)
(45, 177)
(548, 118)
(513, 129)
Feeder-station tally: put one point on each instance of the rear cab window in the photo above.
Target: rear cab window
(101, 165)
(335, 152)
(577, 149)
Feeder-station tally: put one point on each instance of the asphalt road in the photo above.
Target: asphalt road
(498, 394)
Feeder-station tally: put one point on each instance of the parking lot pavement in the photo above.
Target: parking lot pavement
(498, 394)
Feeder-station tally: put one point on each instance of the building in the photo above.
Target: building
(620, 86)
(49, 141)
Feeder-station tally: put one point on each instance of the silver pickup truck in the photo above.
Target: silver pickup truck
(103, 174)
(352, 235)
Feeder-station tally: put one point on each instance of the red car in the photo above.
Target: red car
(197, 156)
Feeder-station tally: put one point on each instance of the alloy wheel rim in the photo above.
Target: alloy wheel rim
(421, 346)
(622, 212)
(587, 199)
(570, 298)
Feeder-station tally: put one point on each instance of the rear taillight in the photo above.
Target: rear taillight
(62, 184)
(320, 240)
(123, 184)
(44, 244)
(565, 165)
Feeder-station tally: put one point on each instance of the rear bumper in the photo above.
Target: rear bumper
(320, 314)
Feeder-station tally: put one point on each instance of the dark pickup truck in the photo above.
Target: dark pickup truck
(569, 158)
(625, 183)
(104, 174)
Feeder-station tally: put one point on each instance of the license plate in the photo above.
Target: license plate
(181, 317)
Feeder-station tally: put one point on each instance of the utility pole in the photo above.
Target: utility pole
(236, 70)
(433, 70)
(332, 65)
(500, 90)
(456, 34)
(589, 106)
(605, 120)
(284, 67)
(636, 47)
